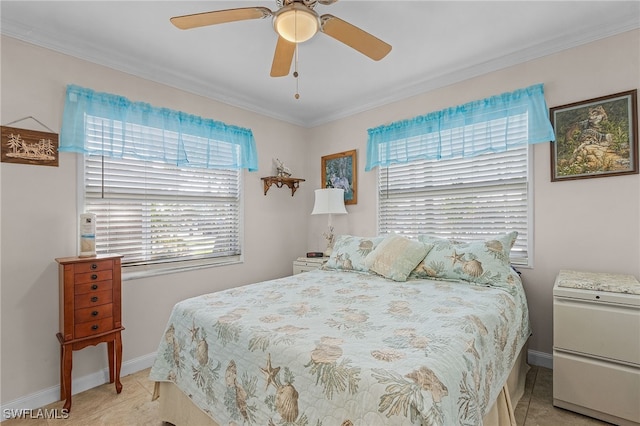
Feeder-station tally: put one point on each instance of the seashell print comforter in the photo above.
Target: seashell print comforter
(344, 348)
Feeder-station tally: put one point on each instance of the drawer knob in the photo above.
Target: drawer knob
(94, 299)
(94, 276)
(94, 327)
(94, 313)
(94, 266)
(94, 287)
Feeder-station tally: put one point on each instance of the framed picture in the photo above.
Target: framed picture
(595, 138)
(24, 146)
(340, 171)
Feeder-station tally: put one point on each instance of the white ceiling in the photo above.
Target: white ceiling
(435, 43)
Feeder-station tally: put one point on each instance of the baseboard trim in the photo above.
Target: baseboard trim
(541, 359)
(80, 384)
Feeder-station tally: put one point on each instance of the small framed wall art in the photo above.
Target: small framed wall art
(29, 147)
(340, 171)
(595, 138)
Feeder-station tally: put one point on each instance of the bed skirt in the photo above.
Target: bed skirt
(176, 408)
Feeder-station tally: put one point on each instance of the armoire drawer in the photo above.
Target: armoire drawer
(93, 265)
(93, 327)
(93, 287)
(88, 277)
(93, 299)
(93, 313)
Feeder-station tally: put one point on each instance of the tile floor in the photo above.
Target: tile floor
(102, 406)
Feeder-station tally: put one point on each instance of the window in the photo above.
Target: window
(462, 172)
(166, 187)
(463, 199)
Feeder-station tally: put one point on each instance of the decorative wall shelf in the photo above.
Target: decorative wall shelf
(292, 183)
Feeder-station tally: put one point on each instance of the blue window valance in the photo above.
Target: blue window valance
(113, 126)
(493, 124)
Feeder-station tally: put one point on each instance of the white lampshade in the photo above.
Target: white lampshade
(296, 23)
(329, 201)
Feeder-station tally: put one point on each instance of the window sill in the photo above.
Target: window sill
(145, 271)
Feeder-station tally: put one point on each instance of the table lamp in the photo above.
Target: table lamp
(329, 201)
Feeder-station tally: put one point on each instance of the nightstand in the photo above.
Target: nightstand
(596, 345)
(90, 313)
(304, 264)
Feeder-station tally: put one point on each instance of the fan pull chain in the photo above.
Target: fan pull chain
(295, 73)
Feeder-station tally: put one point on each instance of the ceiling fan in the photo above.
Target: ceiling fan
(295, 21)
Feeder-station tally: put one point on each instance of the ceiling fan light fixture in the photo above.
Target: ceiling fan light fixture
(296, 23)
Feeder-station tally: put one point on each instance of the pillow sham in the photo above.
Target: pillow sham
(482, 262)
(396, 256)
(349, 252)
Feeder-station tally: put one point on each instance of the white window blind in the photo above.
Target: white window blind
(157, 213)
(460, 198)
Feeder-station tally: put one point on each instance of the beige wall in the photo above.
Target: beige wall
(589, 224)
(39, 217)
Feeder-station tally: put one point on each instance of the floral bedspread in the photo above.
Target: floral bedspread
(341, 348)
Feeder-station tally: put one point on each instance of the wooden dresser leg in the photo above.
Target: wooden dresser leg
(66, 356)
(110, 354)
(118, 361)
(63, 393)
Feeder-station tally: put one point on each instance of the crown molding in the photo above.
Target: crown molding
(100, 55)
(449, 77)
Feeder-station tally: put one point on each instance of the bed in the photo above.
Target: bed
(390, 331)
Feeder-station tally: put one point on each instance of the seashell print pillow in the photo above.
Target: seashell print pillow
(396, 256)
(481, 262)
(349, 252)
